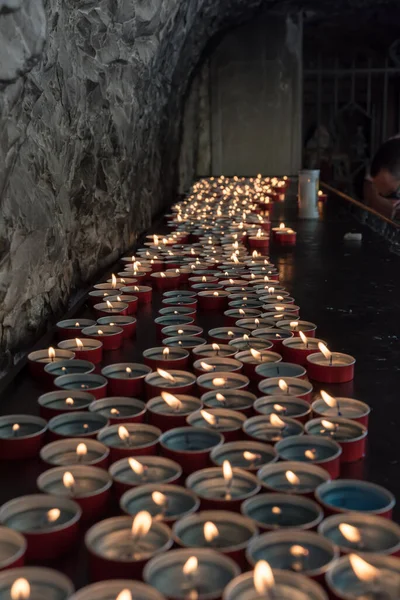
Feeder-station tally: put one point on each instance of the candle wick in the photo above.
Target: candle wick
(330, 360)
(339, 412)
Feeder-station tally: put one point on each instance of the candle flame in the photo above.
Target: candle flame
(109, 305)
(303, 338)
(136, 466)
(350, 533)
(155, 239)
(282, 226)
(218, 382)
(79, 343)
(166, 375)
(227, 471)
(123, 433)
(206, 367)
(363, 570)
(141, 524)
(255, 354)
(220, 397)
(68, 480)
(294, 324)
(279, 408)
(283, 385)
(298, 551)
(263, 577)
(136, 288)
(180, 332)
(172, 401)
(16, 427)
(215, 347)
(77, 324)
(162, 275)
(113, 281)
(310, 454)
(190, 566)
(53, 514)
(276, 510)
(166, 352)
(324, 350)
(100, 332)
(20, 589)
(292, 478)
(51, 352)
(250, 455)
(208, 417)
(204, 279)
(254, 254)
(276, 421)
(328, 425)
(210, 531)
(159, 498)
(128, 370)
(329, 400)
(114, 411)
(124, 595)
(81, 449)
(215, 294)
(69, 401)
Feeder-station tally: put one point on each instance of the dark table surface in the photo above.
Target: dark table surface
(351, 290)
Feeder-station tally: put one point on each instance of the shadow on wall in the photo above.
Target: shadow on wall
(89, 137)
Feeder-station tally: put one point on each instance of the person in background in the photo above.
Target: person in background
(382, 183)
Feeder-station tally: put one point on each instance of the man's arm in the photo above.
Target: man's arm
(383, 205)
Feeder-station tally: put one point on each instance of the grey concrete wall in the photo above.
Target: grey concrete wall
(256, 98)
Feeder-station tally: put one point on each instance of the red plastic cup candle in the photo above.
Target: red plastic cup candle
(274, 336)
(144, 293)
(91, 382)
(50, 524)
(296, 349)
(216, 363)
(12, 548)
(328, 406)
(282, 227)
(330, 367)
(107, 308)
(322, 197)
(296, 325)
(167, 358)
(190, 446)
(223, 488)
(68, 367)
(238, 400)
(120, 589)
(127, 324)
(174, 381)
(126, 379)
(246, 343)
(349, 434)
(85, 348)
(228, 422)
(97, 296)
(138, 541)
(168, 280)
(89, 486)
(285, 238)
(168, 411)
(287, 406)
(40, 358)
(222, 380)
(130, 439)
(73, 451)
(170, 320)
(213, 350)
(252, 358)
(246, 455)
(76, 424)
(226, 334)
(118, 409)
(59, 402)
(21, 436)
(71, 328)
(131, 472)
(312, 449)
(181, 331)
(111, 336)
(259, 240)
(180, 301)
(271, 428)
(213, 300)
(130, 300)
(289, 386)
(292, 477)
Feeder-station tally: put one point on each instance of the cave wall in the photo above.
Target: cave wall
(91, 100)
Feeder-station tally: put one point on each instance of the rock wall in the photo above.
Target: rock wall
(90, 117)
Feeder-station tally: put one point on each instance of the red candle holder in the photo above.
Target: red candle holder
(71, 328)
(260, 240)
(110, 336)
(222, 380)
(21, 436)
(49, 524)
(130, 439)
(181, 331)
(217, 363)
(163, 281)
(144, 293)
(169, 411)
(286, 238)
(67, 367)
(131, 301)
(60, 402)
(233, 315)
(88, 486)
(216, 492)
(215, 300)
(166, 358)
(349, 434)
(190, 446)
(342, 407)
(252, 359)
(140, 276)
(74, 451)
(129, 473)
(287, 406)
(289, 386)
(221, 335)
(118, 409)
(78, 424)
(275, 336)
(92, 383)
(126, 379)
(178, 310)
(171, 320)
(228, 422)
(185, 302)
(96, 296)
(115, 308)
(173, 381)
(335, 368)
(312, 449)
(127, 324)
(12, 548)
(85, 349)
(296, 325)
(38, 359)
(296, 351)
(278, 477)
(213, 350)
(107, 561)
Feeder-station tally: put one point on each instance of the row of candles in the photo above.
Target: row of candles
(275, 469)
